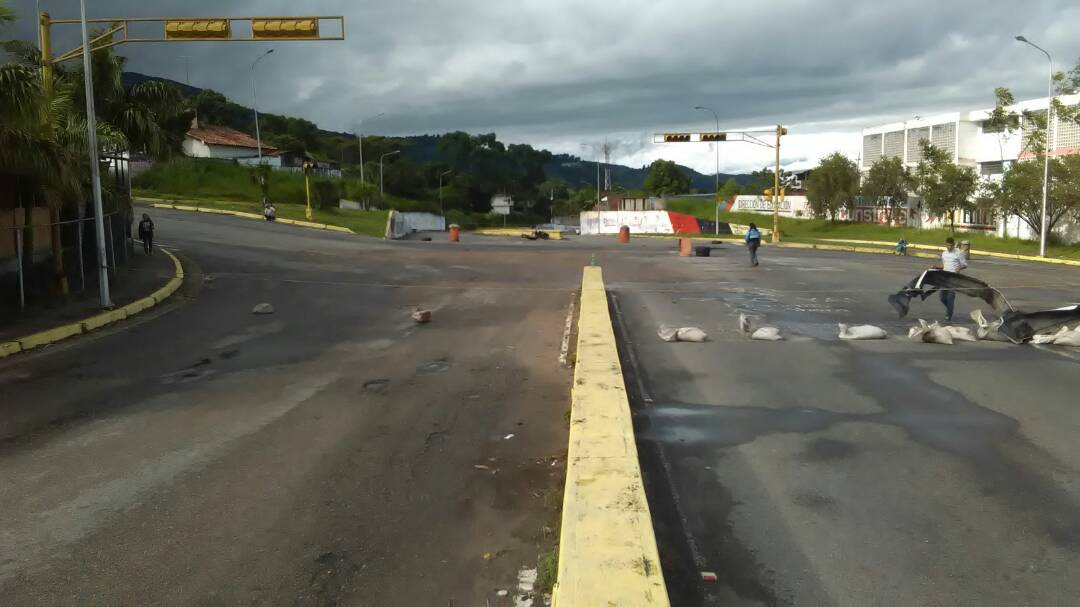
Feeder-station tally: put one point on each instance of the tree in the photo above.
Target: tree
(889, 181)
(665, 179)
(729, 189)
(1020, 192)
(833, 185)
(944, 187)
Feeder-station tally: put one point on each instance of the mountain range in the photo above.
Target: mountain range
(574, 170)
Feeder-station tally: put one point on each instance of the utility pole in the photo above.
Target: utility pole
(360, 141)
(308, 166)
(255, 104)
(717, 145)
(95, 165)
(441, 175)
(780, 131)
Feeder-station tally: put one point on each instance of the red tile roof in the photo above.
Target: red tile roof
(223, 135)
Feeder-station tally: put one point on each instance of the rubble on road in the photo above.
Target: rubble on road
(421, 315)
(263, 308)
(861, 332)
(767, 334)
(690, 334)
(931, 333)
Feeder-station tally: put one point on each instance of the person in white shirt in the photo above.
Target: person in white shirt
(952, 260)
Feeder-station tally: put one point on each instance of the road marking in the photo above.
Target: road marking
(564, 348)
(1068, 355)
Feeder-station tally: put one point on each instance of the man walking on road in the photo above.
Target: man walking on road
(753, 241)
(146, 233)
(952, 260)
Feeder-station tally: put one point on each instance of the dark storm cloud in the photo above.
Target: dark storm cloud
(551, 72)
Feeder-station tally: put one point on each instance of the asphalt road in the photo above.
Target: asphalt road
(333, 452)
(818, 472)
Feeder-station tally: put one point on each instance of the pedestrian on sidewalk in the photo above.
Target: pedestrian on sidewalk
(146, 233)
(952, 260)
(753, 241)
(270, 212)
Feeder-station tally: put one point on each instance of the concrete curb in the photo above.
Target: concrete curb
(51, 336)
(245, 215)
(607, 546)
(1059, 261)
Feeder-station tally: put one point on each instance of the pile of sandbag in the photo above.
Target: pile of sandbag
(691, 334)
(934, 333)
(987, 330)
(1064, 337)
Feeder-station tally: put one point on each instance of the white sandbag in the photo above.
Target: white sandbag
(987, 329)
(691, 334)
(931, 333)
(744, 323)
(961, 333)
(767, 334)
(862, 332)
(1068, 338)
(1044, 338)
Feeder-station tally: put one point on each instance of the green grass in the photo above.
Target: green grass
(817, 230)
(547, 571)
(369, 223)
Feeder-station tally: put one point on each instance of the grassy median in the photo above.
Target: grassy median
(820, 230)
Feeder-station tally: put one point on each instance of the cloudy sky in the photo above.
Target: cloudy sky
(569, 75)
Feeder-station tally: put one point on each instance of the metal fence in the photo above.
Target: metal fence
(75, 233)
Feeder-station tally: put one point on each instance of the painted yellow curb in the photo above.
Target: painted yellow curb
(515, 232)
(98, 320)
(974, 252)
(246, 215)
(607, 546)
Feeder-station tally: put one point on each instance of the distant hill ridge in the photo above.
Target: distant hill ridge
(571, 169)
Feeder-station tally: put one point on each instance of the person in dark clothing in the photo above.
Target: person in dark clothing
(146, 233)
(753, 241)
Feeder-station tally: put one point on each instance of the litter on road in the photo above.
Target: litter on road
(861, 332)
(767, 334)
(931, 333)
(421, 315)
(690, 334)
(263, 308)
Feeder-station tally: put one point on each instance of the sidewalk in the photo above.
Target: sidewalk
(145, 275)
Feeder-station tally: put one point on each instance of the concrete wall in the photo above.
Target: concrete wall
(403, 224)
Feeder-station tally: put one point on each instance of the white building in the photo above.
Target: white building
(205, 141)
(502, 204)
(970, 142)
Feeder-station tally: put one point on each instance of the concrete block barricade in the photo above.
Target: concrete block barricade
(607, 548)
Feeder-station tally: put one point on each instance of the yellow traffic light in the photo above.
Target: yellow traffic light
(676, 137)
(714, 136)
(197, 29)
(283, 27)
(783, 130)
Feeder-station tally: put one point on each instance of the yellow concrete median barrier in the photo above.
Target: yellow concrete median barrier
(50, 336)
(8, 348)
(607, 548)
(139, 305)
(103, 319)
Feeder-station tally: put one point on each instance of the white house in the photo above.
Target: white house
(502, 204)
(206, 141)
(969, 141)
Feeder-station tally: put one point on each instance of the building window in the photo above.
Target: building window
(944, 137)
(1068, 135)
(989, 128)
(871, 149)
(986, 169)
(894, 144)
(914, 136)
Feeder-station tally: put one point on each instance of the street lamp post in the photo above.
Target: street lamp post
(441, 175)
(381, 190)
(95, 167)
(1049, 144)
(255, 102)
(360, 141)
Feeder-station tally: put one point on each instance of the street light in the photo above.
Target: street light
(441, 175)
(705, 109)
(95, 167)
(255, 101)
(380, 170)
(1049, 118)
(360, 141)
